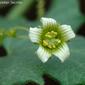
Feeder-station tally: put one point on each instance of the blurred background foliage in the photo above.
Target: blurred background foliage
(19, 64)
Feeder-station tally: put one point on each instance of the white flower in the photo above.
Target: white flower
(52, 39)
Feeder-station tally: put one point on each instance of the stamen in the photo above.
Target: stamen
(45, 43)
(50, 46)
(55, 33)
(51, 40)
(54, 46)
(58, 41)
(51, 34)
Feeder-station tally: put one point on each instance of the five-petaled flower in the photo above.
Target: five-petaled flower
(52, 38)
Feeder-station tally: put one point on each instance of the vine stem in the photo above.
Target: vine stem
(21, 28)
(41, 9)
(19, 9)
(22, 36)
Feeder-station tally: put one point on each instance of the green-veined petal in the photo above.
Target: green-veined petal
(67, 32)
(63, 52)
(43, 54)
(34, 34)
(48, 21)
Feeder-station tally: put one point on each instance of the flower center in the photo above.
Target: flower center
(51, 40)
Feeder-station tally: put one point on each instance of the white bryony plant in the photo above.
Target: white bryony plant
(52, 38)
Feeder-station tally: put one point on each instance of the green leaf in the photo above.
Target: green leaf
(22, 64)
(72, 71)
(66, 12)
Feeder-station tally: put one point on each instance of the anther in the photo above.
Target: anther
(58, 41)
(55, 33)
(49, 46)
(51, 34)
(45, 43)
(54, 46)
